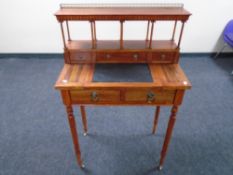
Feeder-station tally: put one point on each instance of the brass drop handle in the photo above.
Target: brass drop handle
(135, 56)
(94, 96)
(108, 56)
(150, 97)
(163, 56)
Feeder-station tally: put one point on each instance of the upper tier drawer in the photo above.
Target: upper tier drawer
(81, 57)
(163, 57)
(124, 57)
(121, 57)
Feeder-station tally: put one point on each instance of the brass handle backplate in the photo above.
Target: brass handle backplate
(135, 56)
(108, 56)
(94, 96)
(163, 56)
(150, 97)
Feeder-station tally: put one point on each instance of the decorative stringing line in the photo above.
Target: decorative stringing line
(121, 5)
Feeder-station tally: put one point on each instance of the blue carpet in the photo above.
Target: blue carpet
(35, 136)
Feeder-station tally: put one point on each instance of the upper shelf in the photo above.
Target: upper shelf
(86, 45)
(120, 12)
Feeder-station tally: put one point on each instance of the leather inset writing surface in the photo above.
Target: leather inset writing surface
(122, 73)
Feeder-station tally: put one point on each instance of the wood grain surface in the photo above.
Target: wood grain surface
(111, 13)
(80, 76)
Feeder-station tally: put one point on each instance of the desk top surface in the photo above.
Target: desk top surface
(80, 76)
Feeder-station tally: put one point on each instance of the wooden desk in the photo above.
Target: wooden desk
(75, 81)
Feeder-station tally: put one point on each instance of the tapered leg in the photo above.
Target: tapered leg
(168, 135)
(84, 119)
(74, 134)
(156, 119)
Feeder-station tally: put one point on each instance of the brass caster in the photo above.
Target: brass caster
(85, 134)
(160, 168)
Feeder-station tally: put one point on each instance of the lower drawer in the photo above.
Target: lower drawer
(129, 96)
(150, 96)
(95, 96)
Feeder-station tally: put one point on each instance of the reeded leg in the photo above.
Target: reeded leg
(168, 135)
(156, 119)
(74, 134)
(84, 119)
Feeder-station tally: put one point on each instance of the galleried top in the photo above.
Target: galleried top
(138, 11)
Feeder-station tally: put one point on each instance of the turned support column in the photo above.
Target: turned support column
(151, 34)
(121, 34)
(148, 31)
(181, 34)
(68, 30)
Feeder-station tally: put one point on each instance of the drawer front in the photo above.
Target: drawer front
(95, 96)
(150, 96)
(163, 57)
(116, 57)
(81, 57)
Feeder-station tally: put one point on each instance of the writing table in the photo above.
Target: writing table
(76, 81)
